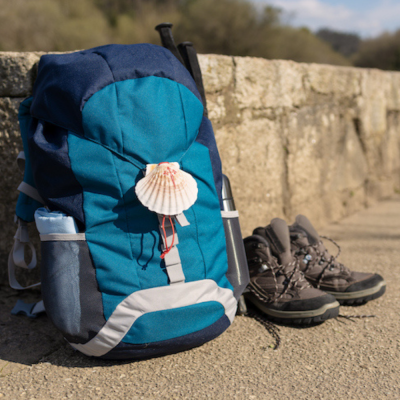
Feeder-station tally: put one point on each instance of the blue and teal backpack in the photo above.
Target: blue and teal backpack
(95, 120)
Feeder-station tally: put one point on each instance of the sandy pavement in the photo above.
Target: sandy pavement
(339, 359)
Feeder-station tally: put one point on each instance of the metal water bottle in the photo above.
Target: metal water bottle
(238, 271)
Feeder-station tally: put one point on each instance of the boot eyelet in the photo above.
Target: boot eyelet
(263, 268)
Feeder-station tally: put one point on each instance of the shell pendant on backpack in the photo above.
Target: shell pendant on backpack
(166, 189)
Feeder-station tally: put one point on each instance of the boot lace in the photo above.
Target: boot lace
(271, 328)
(324, 256)
(292, 278)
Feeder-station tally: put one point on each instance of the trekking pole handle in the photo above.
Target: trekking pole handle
(189, 56)
(163, 25)
(167, 40)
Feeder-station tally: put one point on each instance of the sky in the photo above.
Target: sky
(368, 18)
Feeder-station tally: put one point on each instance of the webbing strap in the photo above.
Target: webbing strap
(21, 161)
(31, 310)
(191, 62)
(30, 191)
(181, 219)
(62, 237)
(172, 260)
(16, 257)
(174, 267)
(173, 264)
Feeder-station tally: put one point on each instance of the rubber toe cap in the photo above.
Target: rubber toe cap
(313, 303)
(367, 283)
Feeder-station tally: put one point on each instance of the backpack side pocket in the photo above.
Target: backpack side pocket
(69, 286)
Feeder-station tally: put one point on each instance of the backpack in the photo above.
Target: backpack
(119, 280)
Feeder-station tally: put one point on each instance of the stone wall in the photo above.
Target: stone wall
(294, 138)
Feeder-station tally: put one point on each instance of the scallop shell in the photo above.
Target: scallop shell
(166, 189)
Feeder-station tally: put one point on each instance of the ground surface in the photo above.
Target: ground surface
(339, 359)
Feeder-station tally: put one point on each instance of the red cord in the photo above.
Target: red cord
(167, 249)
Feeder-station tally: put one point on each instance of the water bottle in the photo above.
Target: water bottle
(238, 271)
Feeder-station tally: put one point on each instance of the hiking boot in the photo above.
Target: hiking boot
(323, 271)
(277, 287)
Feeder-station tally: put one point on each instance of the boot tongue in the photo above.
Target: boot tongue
(304, 224)
(277, 233)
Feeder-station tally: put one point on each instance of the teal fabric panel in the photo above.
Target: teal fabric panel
(109, 244)
(206, 215)
(175, 323)
(148, 119)
(142, 227)
(26, 206)
(122, 235)
(124, 123)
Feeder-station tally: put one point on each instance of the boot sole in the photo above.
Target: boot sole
(360, 297)
(330, 310)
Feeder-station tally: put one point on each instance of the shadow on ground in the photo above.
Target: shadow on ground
(25, 340)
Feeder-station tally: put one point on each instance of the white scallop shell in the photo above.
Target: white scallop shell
(166, 189)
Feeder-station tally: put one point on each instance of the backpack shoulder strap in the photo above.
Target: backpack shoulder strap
(28, 201)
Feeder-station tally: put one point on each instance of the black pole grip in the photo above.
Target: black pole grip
(167, 40)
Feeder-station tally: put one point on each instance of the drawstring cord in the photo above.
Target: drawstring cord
(167, 249)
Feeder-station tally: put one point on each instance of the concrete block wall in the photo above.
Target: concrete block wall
(294, 138)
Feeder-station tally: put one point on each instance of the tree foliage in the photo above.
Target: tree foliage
(382, 52)
(234, 27)
(342, 42)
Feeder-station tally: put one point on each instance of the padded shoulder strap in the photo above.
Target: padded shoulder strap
(29, 199)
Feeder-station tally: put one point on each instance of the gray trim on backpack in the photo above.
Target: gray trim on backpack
(152, 300)
(62, 237)
(30, 191)
(230, 214)
(181, 219)
(174, 267)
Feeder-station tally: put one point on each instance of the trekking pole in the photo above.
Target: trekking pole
(191, 62)
(167, 40)
(186, 54)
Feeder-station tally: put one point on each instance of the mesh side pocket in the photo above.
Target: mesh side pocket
(70, 291)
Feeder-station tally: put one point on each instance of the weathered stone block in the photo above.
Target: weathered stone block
(324, 153)
(342, 82)
(252, 156)
(392, 90)
(17, 73)
(261, 83)
(217, 72)
(294, 138)
(10, 145)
